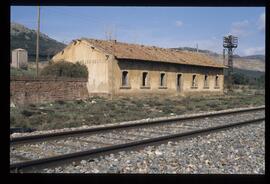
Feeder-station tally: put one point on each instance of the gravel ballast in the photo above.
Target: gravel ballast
(234, 151)
(75, 144)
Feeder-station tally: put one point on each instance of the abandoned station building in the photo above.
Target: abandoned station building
(117, 68)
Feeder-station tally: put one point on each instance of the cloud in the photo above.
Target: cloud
(254, 51)
(179, 23)
(261, 22)
(239, 28)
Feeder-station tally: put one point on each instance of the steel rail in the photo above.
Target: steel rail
(57, 135)
(99, 151)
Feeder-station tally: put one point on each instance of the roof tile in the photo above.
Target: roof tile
(147, 53)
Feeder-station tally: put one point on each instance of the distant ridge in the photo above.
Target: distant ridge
(23, 37)
(252, 62)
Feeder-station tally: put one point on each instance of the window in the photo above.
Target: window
(145, 79)
(124, 78)
(178, 81)
(205, 81)
(162, 79)
(194, 81)
(217, 81)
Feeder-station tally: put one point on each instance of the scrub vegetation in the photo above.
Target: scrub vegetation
(99, 110)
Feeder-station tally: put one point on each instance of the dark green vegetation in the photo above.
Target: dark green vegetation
(99, 110)
(254, 79)
(59, 69)
(22, 37)
(65, 69)
(17, 72)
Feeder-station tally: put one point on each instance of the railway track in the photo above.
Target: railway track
(49, 150)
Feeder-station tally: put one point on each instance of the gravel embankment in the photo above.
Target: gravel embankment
(120, 123)
(235, 151)
(75, 144)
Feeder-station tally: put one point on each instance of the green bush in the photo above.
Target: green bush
(27, 113)
(65, 69)
(19, 72)
(253, 80)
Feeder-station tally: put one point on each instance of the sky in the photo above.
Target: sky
(167, 27)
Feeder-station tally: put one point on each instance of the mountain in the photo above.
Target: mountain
(23, 37)
(259, 57)
(251, 63)
(194, 50)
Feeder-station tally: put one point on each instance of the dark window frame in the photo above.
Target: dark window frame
(194, 81)
(162, 79)
(206, 82)
(145, 79)
(125, 78)
(217, 81)
(179, 80)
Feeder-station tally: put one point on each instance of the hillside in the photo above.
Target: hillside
(253, 62)
(23, 37)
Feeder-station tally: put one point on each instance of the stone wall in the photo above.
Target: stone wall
(40, 90)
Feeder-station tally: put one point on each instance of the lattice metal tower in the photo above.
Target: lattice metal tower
(230, 43)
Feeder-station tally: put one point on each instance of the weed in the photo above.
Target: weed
(99, 110)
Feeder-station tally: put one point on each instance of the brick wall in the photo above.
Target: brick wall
(39, 90)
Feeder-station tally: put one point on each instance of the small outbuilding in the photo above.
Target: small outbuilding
(19, 58)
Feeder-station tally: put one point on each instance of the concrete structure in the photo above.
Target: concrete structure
(19, 58)
(128, 69)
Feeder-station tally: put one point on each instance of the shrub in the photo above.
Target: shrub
(18, 72)
(60, 102)
(27, 113)
(65, 69)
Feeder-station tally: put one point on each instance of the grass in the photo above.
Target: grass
(98, 110)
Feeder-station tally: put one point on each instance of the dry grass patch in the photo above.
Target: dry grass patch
(99, 110)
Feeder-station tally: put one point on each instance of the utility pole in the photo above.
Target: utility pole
(37, 48)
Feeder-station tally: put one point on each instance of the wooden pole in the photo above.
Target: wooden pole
(37, 48)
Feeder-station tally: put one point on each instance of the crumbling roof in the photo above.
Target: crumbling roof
(152, 53)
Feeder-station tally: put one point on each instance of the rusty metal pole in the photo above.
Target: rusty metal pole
(37, 46)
